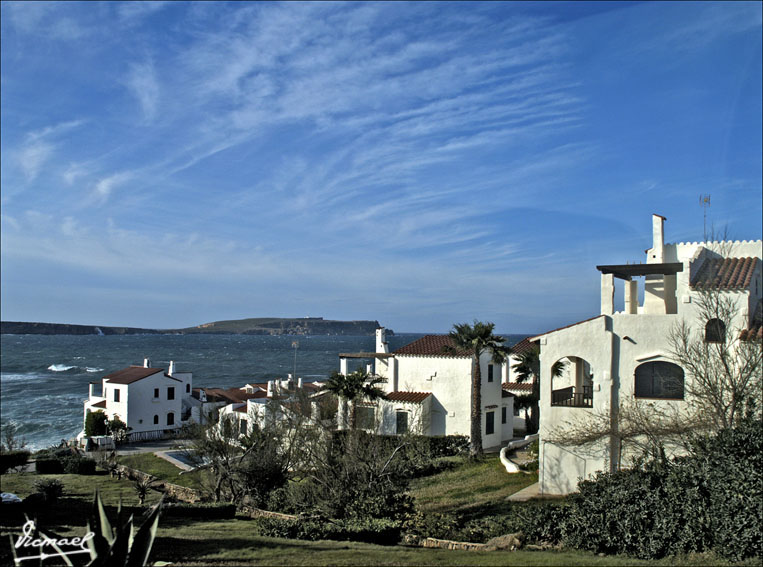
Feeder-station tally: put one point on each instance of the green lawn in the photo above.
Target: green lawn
(473, 488)
(160, 468)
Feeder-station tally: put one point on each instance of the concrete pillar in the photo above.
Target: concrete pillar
(607, 294)
(671, 303)
(654, 295)
(631, 297)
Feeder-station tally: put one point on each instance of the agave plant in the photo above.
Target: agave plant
(118, 546)
(142, 486)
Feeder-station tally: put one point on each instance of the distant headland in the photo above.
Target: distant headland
(253, 326)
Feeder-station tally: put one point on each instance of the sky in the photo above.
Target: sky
(169, 164)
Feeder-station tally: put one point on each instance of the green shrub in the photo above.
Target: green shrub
(48, 465)
(95, 423)
(78, 465)
(378, 531)
(707, 500)
(12, 459)
(51, 489)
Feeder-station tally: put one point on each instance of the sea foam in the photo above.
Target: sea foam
(60, 367)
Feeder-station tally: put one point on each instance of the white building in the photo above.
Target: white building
(428, 391)
(253, 403)
(151, 401)
(617, 357)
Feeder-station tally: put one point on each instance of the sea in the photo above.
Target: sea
(44, 378)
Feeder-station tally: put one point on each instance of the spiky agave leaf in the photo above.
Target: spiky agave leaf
(98, 524)
(144, 539)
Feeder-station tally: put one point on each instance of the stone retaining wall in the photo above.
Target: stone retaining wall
(448, 544)
(257, 513)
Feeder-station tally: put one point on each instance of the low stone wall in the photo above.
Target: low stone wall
(448, 544)
(257, 513)
(181, 493)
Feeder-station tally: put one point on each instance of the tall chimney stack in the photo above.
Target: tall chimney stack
(146, 363)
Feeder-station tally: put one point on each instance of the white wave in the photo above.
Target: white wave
(91, 369)
(18, 377)
(60, 367)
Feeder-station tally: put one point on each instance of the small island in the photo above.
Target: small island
(251, 326)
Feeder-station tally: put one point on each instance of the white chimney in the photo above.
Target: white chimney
(146, 363)
(299, 383)
(381, 340)
(171, 371)
(271, 388)
(657, 255)
(369, 368)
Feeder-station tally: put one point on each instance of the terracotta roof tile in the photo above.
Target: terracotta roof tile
(523, 346)
(409, 397)
(517, 387)
(101, 404)
(131, 374)
(724, 274)
(432, 345)
(231, 395)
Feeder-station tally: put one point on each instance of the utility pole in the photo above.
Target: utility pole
(704, 200)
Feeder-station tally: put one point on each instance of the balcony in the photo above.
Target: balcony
(573, 397)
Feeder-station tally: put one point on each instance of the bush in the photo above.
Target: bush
(12, 459)
(79, 465)
(48, 465)
(378, 531)
(708, 500)
(51, 489)
(543, 521)
(95, 423)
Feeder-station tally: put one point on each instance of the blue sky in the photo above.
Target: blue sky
(169, 164)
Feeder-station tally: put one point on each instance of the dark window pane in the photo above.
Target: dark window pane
(171, 393)
(402, 422)
(490, 423)
(659, 380)
(489, 372)
(170, 419)
(503, 414)
(715, 331)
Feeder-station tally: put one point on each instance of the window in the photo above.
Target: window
(156, 393)
(402, 422)
(156, 420)
(365, 417)
(715, 331)
(660, 380)
(489, 423)
(242, 426)
(116, 394)
(187, 388)
(503, 414)
(489, 372)
(171, 393)
(170, 418)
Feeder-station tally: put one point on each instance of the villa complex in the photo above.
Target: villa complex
(618, 358)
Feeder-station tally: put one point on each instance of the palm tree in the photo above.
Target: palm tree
(358, 385)
(528, 368)
(475, 340)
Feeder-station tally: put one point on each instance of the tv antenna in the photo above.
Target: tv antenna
(704, 200)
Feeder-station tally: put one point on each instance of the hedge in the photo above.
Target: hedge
(378, 531)
(12, 459)
(68, 464)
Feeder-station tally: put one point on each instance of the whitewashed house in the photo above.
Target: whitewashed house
(257, 404)
(428, 391)
(153, 402)
(622, 356)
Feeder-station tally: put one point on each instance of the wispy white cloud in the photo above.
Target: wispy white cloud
(143, 84)
(105, 186)
(39, 146)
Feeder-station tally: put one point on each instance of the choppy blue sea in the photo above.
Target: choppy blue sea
(44, 378)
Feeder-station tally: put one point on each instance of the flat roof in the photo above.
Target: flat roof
(627, 271)
(365, 355)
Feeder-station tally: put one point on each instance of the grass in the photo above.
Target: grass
(151, 464)
(472, 487)
(235, 543)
